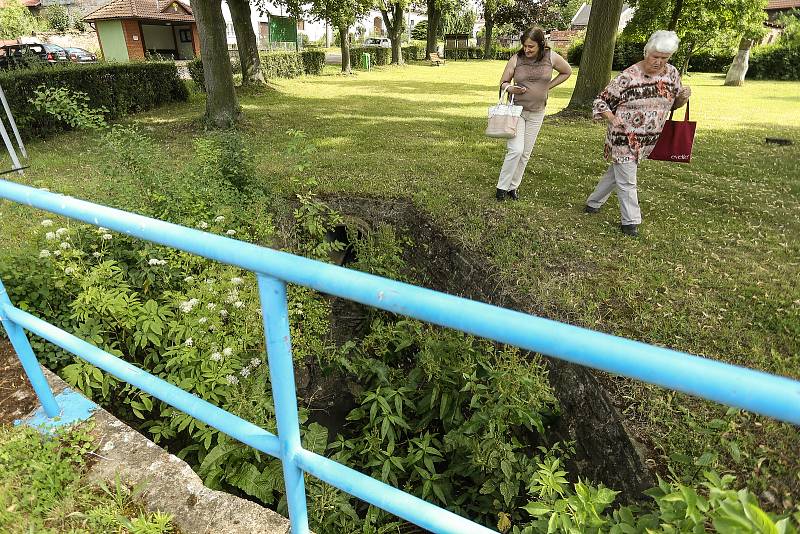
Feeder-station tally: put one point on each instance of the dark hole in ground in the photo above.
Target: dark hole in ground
(605, 451)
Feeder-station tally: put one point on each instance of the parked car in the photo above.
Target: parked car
(378, 42)
(21, 55)
(79, 55)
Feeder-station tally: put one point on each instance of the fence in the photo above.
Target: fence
(759, 392)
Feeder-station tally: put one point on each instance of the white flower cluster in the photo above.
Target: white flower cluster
(61, 231)
(202, 320)
(227, 351)
(50, 236)
(69, 270)
(189, 342)
(236, 281)
(65, 245)
(96, 254)
(223, 313)
(187, 305)
(215, 357)
(238, 304)
(219, 219)
(232, 380)
(156, 261)
(189, 279)
(44, 253)
(250, 367)
(107, 237)
(47, 222)
(231, 232)
(202, 225)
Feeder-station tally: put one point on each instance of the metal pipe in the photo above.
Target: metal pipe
(275, 313)
(758, 392)
(206, 412)
(27, 358)
(410, 508)
(13, 123)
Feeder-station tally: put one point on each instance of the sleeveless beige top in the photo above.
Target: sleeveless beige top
(534, 76)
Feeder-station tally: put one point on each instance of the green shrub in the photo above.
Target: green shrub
(413, 52)
(58, 18)
(313, 61)
(195, 67)
(626, 53)
(472, 52)
(121, 89)
(378, 56)
(70, 107)
(279, 64)
(775, 62)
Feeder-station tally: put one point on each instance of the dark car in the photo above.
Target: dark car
(23, 55)
(79, 55)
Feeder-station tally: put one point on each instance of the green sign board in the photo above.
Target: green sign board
(282, 30)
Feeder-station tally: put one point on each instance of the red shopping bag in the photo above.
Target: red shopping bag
(675, 143)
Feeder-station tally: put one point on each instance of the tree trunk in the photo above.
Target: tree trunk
(741, 62)
(394, 29)
(676, 14)
(685, 66)
(598, 53)
(246, 42)
(344, 43)
(433, 23)
(222, 109)
(487, 35)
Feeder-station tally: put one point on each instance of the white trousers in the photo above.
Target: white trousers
(519, 150)
(621, 176)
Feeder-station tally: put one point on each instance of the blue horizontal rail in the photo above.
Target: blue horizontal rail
(752, 390)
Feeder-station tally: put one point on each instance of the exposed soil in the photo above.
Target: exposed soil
(16, 393)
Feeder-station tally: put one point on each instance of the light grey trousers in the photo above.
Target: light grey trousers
(519, 150)
(621, 176)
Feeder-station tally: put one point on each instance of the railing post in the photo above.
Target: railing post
(275, 311)
(28, 359)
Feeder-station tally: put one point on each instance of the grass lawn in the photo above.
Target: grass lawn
(714, 273)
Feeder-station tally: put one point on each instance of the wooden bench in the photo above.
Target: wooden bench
(435, 59)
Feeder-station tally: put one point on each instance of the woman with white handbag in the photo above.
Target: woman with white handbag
(531, 70)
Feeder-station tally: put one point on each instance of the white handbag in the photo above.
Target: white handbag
(503, 119)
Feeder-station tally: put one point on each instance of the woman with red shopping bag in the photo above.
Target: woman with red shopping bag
(636, 105)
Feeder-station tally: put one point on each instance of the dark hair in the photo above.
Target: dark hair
(536, 35)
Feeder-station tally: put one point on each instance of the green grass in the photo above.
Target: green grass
(41, 489)
(714, 273)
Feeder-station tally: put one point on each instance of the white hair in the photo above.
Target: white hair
(663, 41)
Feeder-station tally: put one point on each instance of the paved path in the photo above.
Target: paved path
(333, 58)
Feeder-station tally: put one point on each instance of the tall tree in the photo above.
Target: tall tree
(738, 69)
(222, 109)
(598, 53)
(394, 19)
(246, 42)
(342, 14)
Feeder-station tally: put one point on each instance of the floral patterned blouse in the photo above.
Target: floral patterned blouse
(643, 103)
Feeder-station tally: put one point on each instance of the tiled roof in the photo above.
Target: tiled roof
(782, 4)
(169, 10)
(31, 3)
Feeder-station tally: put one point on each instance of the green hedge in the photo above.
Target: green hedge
(313, 61)
(378, 56)
(775, 62)
(277, 64)
(626, 53)
(121, 88)
(413, 52)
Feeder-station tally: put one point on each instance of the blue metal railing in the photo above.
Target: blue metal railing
(759, 392)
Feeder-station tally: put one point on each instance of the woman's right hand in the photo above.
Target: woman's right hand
(515, 89)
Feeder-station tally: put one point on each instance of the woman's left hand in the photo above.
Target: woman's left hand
(685, 93)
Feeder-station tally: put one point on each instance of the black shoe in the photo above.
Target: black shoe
(513, 194)
(630, 229)
(501, 194)
(588, 209)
